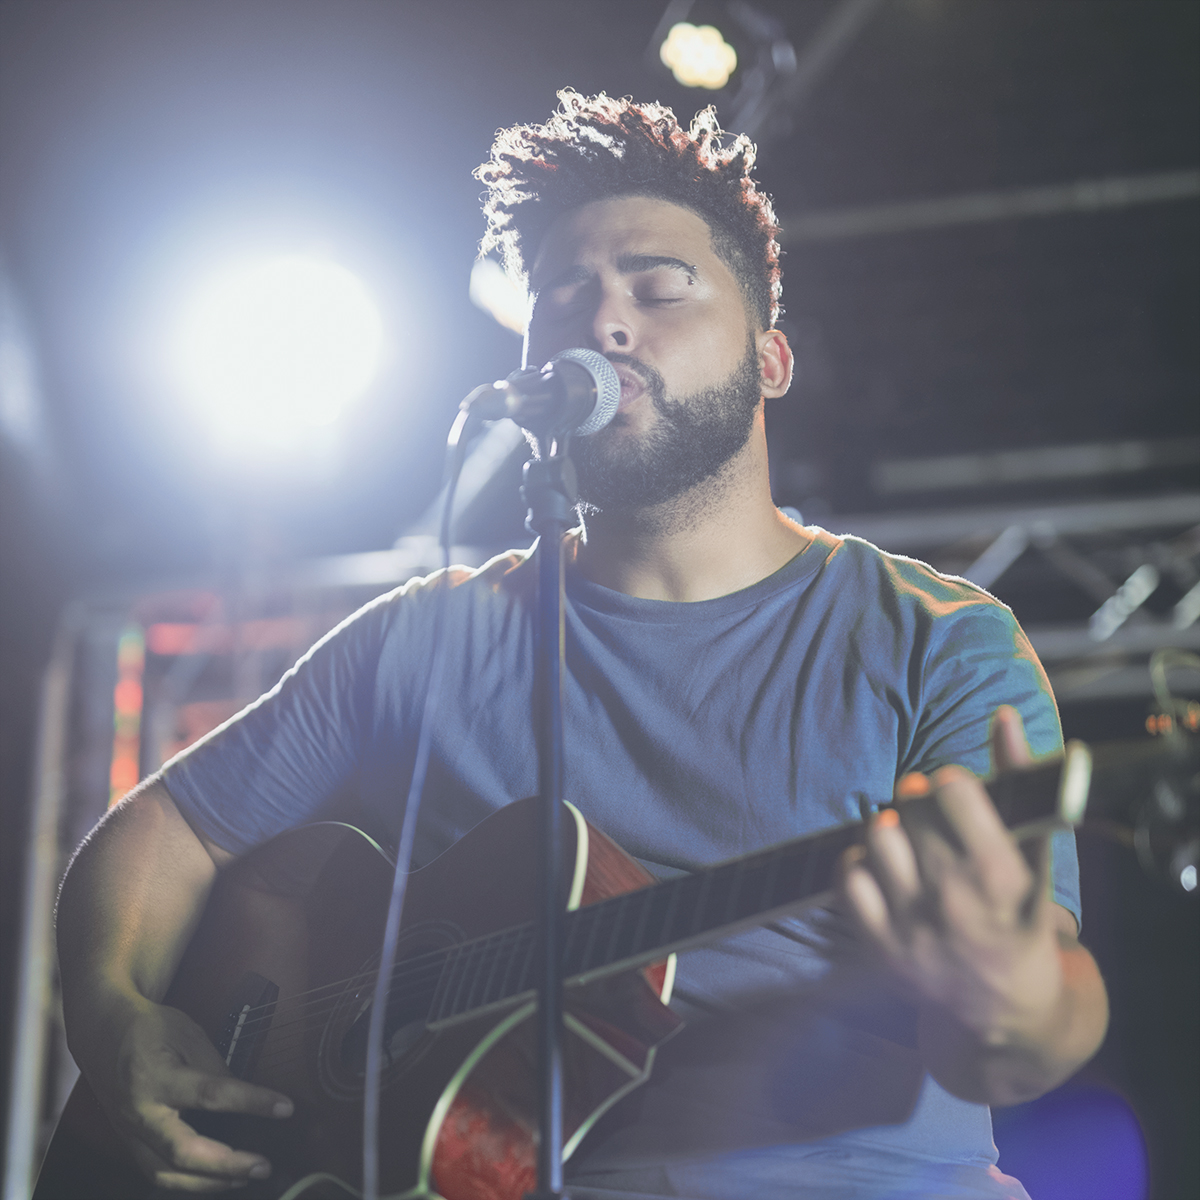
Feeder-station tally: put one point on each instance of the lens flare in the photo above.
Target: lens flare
(272, 348)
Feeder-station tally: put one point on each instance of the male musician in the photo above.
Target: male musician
(733, 680)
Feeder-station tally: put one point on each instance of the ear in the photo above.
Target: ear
(775, 363)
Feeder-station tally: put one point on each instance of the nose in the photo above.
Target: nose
(612, 326)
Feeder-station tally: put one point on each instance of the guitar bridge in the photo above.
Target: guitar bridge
(248, 1018)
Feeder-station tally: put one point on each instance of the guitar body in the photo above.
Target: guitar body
(280, 974)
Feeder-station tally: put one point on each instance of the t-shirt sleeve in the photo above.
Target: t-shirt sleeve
(287, 759)
(977, 659)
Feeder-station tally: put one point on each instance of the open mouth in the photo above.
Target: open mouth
(632, 385)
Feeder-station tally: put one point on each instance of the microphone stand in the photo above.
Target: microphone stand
(549, 492)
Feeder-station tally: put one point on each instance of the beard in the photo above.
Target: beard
(694, 437)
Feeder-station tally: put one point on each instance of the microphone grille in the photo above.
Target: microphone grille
(608, 387)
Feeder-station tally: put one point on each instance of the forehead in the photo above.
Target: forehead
(597, 234)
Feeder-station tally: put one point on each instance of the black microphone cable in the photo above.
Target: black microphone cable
(456, 445)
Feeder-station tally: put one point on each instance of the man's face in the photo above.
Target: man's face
(638, 280)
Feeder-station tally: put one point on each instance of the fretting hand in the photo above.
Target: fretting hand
(1010, 1002)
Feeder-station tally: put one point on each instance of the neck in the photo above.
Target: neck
(719, 537)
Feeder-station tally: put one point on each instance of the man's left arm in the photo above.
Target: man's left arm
(1010, 1003)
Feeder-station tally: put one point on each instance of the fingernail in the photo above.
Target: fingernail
(260, 1170)
(912, 785)
(283, 1108)
(888, 818)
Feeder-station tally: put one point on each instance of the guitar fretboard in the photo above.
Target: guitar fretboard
(645, 925)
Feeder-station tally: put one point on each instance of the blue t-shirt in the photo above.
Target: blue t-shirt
(694, 733)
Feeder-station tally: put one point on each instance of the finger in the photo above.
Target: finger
(164, 1174)
(1010, 749)
(931, 841)
(894, 865)
(182, 1150)
(987, 851)
(865, 901)
(188, 1087)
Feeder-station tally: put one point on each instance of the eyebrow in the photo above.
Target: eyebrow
(627, 264)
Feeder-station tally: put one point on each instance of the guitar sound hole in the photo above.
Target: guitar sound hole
(403, 1026)
(343, 1054)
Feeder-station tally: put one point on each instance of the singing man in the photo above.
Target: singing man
(733, 680)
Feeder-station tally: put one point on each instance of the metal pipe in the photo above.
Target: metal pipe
(35, 970)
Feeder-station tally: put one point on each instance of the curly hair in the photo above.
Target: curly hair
(595, 147)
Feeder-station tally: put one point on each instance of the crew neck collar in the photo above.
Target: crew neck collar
(587, 594)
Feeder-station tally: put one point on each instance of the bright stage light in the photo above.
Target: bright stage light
(272, 349)
(698, 55)
(493, 290)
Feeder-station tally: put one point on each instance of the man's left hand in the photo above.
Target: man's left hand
(1011, 1003)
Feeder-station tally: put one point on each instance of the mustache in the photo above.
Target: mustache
(655, 384)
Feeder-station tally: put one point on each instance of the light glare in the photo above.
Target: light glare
(493, 290)
(281, 346)
(698, 55)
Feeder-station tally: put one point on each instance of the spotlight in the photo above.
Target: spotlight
(275, 348)
(698, 55)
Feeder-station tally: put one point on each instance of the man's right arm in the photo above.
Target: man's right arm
(129, 904)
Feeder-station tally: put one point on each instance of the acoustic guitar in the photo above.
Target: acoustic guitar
(281, 970)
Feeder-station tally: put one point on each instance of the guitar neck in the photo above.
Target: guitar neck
(643, 926)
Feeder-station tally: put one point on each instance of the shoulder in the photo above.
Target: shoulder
(506, 575)
(907, 582)
(410, 608)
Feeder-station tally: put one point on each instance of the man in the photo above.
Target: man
(733, 680)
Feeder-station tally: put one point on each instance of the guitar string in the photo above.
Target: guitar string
(471, 957)
(604, 926)
(423, 968)
(481, 955)
(435, 961)
(426, 967)
(286, 1048)
(282, 1048)
(468, 959)
(603, 923)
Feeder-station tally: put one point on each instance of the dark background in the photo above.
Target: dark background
(138, 138)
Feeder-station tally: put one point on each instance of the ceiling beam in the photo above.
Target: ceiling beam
(908, 216)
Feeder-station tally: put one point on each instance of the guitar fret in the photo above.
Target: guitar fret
(698, 923)
(462, 979)
(590, 943)
(630, 925)
(613, 940)
(466, 981)
(526, 976)
(477, 956)
(666, 930)
(490, 992)
(506, 988)
(770, 879)
(444, 981)
(461, 970)
(735, 887)
(490, 951)
(639, 932)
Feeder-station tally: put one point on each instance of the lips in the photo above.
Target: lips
(631, 385)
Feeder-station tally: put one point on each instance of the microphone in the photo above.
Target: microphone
(577, 392)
